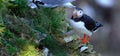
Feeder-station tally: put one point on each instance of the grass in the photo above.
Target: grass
(45, 20)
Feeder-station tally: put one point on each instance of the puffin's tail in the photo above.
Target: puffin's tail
(98, 25)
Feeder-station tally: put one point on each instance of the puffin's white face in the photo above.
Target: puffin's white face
(78, 14)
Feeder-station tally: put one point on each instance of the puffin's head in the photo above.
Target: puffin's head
(78, 12)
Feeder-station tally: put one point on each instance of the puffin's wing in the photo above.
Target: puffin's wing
(56, 2)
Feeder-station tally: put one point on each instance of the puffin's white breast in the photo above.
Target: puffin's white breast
(80, 28)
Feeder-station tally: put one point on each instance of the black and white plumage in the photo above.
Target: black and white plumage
(82, 23)
(52, 3)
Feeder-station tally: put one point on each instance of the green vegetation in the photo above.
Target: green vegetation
(21, 26)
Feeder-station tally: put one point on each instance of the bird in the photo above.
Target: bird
(52, 3)
(83, 24)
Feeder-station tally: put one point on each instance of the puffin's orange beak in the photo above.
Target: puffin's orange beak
(75, 15)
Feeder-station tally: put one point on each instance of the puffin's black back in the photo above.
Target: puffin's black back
(90, 24)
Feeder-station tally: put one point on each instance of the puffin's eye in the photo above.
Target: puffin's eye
(80, 11)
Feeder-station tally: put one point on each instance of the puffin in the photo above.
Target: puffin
(83, 24)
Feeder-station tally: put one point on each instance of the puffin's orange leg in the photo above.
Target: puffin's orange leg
(85, 39)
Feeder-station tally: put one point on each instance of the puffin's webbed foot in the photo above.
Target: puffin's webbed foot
(85, 39)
